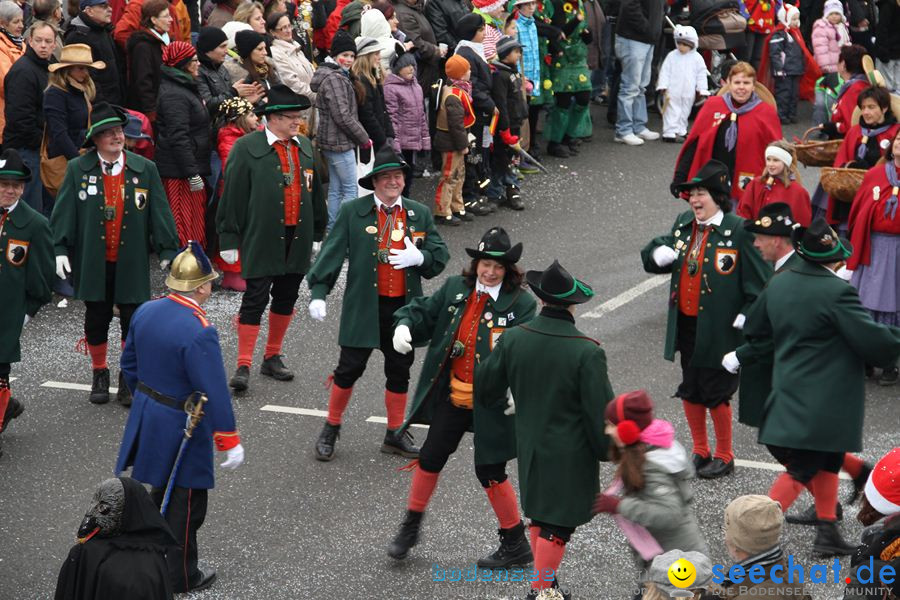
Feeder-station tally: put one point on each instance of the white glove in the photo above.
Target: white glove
(27, 318)
(316, 247)
(731, 363)
(62, 266)
(317, 310)
(844, 273)
(511, 404)
(739, 321)
(196, 183)
(408, 257)
(164, 264)
(664, 256)
(234, 458)
(229, 256)
(402, 339)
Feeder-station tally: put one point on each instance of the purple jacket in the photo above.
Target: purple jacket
(406, 107)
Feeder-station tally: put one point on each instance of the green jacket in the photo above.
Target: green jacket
(822, 339)
(728, 289)
(79, 228)
(436, 319)
(560, 385)
(251, 212)
(26, 274)
(349, 237)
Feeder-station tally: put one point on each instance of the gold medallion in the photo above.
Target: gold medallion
(766, 221)
(396, 235)
(490, 324)
(371, 229)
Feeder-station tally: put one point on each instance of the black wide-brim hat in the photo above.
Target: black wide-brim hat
(495, 245)
(713, 177)
(555, 285)
(774, 219)
(385, 160)
(819, 243)
(12, 167)
(281, 98)
(104, 116)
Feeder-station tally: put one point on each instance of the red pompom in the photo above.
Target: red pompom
(628, 432)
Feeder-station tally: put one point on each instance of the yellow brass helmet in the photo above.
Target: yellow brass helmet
(190, 269)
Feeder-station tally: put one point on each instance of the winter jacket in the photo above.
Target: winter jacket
(182, 127)
(596, 21)
(293, 67)
(887, 31)
(443, 16)
(879, 545)
(214, 85)
(481, 81)
(827, 40)
(144, 63)
(373, 114)
(228, 135)
(66, 116)
(319, 19)
(456, 138)
(786, 55)
(406, 107)
(339, 128)
(220, 15)
(506, 91)
(109, 81)
(665, 504)
(374, 25)
(640, 20)
(24, 111)
(130, 23)
(9, 53)
(683, 75)
(418, 31)
(350, 16)
(237, 71)
(332, 24)
(531, 52)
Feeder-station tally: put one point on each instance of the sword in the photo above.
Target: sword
(531, 159)
(194, 412)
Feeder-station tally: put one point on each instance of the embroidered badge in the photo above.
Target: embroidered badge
(92, 190)
(744, 179)
(308, 177)
(510, 316)
(726, 260)
(140, 198)
(16, 252)
(501, 322)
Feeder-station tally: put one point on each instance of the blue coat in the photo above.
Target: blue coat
(173, 349)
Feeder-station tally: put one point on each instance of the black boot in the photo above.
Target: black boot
(408, 535)
(558, 150)
(829, 541)
(572, 144)
(100, 387)
(808, 516)
(402, 443)
(274, 367)
(514, 198)
(325, 444)
(514, 550)
(474, 207)
(123, 396)
(13, 410)
(716, 468)
(859, 482)
(240, 381)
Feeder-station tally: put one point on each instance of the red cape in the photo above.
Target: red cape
(813, 72)
(756, 196)
(863, 212)
(756, 130)
(842, 112)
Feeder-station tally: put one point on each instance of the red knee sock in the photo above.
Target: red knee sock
(278, 325)
(247, 335)
(696, 418)
(548, 555)
(337, 403)
(422, 488)
(396, 408)
(721, 418)
(785, 490)
(853, 465)
(98, 355)
(5, 395)
(825, 492)
(503, 500)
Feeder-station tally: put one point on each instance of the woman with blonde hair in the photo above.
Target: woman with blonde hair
(68, 98)
(251, 13)
(368, 80)
(780, 182)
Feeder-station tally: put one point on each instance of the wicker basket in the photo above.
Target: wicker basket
(841, 184)
(816, 154)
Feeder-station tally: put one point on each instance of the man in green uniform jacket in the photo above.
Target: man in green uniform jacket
(392, 243)
(26, 272)
(559, 381)
(814, 413)
(111, 211)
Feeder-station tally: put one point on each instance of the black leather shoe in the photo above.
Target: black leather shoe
(572, 144)
(464, 216)
(100, 387)
(240, 381)
(452, 220)
(13, 410)
(514, 198)
(474, 207)
(716, 468)
(325, 444)
(207, 578)
(829, 541)
(514, 550)
(402, 443)
(808, 516)
(859, 482)
(407, 537)
(274, 367)
(889, 376)
(558, 150)
(700, 461)
(123, 396)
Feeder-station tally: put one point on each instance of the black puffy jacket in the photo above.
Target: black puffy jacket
(443, 16)
(887, 32)
(373, 114)
(641, 20)
(25, 108)
(109, 81)
(182, 127)
(481, 80)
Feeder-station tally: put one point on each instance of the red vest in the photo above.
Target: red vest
(291, 192)
(391, 281)
(689, 285)
(464, 366)
(114, 196)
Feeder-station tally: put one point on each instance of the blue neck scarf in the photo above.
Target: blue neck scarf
(869, 134)
(732, 132)
(890, 207)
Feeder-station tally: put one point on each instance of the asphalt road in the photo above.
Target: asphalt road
(285, 526)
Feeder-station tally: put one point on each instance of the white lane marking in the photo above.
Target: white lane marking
(755, 464)
(627, 296)
(11, 379)
(383, 421)
(65, 385)
(307, 412)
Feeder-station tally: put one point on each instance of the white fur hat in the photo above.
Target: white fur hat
(786, 13)
(686, 34)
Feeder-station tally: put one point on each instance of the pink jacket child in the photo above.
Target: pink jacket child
(405, 105)
(829, 34)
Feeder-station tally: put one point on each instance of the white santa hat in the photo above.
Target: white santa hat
(833, 6)
(883, 486)
(786, 13)
(686, 34)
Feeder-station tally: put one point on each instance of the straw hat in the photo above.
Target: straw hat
(74, 55)
(876, 79)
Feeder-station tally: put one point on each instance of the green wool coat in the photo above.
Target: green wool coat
(560, 385)
(822, 339)
(250, 218)
(436, 319)
(26, 274)
(348, 237)
(79, 228)
(728, 288)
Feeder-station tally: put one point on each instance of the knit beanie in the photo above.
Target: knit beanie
(883, 486)
(505, 45)
(400, 61)
(246, 42)
(753, 523)
(177, 54)
(786, 13)
(456, 67)
(342, 42)
(833, 6)
(209, 39)
(489, 6)
(631, 413)
(468, 26)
